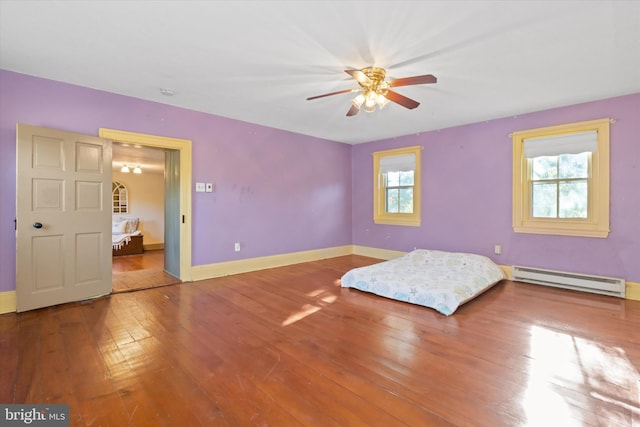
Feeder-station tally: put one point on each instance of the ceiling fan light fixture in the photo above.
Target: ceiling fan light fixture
(377, 91)
(358, 100)
(382, 100)
(125, 169)
(369, 108)
(370, 101)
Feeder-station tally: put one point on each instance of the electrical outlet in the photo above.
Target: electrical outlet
(497, 249)
(199, 187)
(236, 247)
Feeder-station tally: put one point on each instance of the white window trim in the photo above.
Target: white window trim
(597, 223)
(380, 216)
(120, 190)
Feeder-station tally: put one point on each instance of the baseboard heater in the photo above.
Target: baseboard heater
(578, 282)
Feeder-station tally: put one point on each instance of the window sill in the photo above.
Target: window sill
(602, 234)
(393, 221)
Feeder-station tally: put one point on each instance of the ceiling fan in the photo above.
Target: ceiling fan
(376, 91)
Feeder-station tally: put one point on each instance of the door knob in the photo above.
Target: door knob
(37, 225)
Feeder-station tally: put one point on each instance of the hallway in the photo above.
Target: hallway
(137, 272)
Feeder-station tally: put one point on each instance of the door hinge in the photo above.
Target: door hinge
(183, 219)
(15, 224)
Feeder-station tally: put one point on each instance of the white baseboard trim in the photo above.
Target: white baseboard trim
(507, 271)
(7, 302)
(370, 252)
(220, 269)
(153, 246)
(632, 291)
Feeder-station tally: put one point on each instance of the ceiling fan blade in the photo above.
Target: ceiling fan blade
(332, 93)
(401, 99)
(353, 111)
(359, 76)
(416, 80)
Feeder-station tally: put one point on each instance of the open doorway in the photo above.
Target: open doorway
(139, 217)
(177, 196)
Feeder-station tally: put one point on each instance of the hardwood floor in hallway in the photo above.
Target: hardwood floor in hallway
(144, 271)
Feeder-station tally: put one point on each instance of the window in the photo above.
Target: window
(396, 186)
(561, 180)
(120, 199)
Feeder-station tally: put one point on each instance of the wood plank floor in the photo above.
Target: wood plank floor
(140, 271)
(289, 347)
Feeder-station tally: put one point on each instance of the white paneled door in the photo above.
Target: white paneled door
(63, 230)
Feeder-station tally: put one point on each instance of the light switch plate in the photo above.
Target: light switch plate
(209, 187)
(199, 187)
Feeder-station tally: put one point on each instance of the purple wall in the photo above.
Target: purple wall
(466, 193)
(279, 192)
(276, 191)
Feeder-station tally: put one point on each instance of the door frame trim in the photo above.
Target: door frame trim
(184, 146)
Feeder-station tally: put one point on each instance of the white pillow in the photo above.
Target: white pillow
(132, 225)
(119, 227)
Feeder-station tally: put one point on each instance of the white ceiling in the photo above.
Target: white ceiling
(258, 61)
(150, 160)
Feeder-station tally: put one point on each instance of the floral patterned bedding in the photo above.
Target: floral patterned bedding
(439, 280)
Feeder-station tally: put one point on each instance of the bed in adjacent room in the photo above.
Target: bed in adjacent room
(436, 279)
(126, 239)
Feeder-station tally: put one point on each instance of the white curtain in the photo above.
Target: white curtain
(401, 163)
(555, 145)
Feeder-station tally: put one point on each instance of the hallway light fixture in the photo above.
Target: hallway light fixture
(125, 169)
(137, 169)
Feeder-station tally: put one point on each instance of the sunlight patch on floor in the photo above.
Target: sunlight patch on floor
(320, 298)
(566, 370)
(305, 311)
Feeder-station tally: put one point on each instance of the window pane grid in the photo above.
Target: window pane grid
(399, 199)
(559, 186)
(399, 191)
